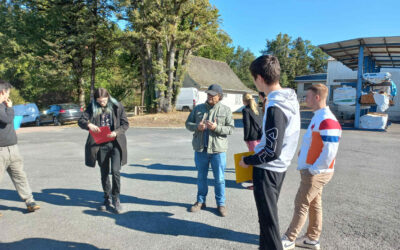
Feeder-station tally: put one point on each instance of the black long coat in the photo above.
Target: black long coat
(252, 124)
(121, 124)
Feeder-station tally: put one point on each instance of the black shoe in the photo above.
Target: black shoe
(117, 206)
(106, 205)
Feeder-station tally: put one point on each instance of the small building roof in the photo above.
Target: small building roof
(384, 51)
(202, 72)
(320, 77)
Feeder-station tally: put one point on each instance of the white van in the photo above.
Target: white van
(187, 99)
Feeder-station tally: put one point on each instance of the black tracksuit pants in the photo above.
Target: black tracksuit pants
(267, 186)
(110, 151)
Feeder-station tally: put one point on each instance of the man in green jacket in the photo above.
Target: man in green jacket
(211, 123)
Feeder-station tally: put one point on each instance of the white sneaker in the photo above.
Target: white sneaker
(286, 243)
(305, 242)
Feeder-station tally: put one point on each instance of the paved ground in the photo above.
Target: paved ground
(361, 203)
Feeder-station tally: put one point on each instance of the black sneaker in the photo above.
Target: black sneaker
(106, 205)
(32, 207)
(117, 206)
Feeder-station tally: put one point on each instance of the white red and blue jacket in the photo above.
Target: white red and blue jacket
(320, 143)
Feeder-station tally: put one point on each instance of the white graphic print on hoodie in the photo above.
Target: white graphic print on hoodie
(281, 130)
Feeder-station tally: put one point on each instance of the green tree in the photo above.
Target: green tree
(167, 33)
(297, 57)
(240, 64)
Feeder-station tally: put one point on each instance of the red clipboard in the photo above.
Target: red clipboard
(101, 137)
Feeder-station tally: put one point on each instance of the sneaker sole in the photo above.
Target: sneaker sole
(289, 247)
(309, 246)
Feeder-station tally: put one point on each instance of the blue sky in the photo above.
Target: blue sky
(251, 22)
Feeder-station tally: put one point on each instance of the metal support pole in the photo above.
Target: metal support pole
(359, 84)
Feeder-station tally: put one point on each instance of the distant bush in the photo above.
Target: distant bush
(16, 98)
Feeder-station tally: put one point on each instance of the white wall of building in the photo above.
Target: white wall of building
(337, 70)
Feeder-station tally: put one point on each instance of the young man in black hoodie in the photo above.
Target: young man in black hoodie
(281, 130)
(10, 159)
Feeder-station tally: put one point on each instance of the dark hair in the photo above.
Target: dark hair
(267, 67)
(261, 94)
(101, 92)
(319, 89)
(4, 85)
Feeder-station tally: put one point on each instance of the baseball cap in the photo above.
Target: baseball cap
(214, 89)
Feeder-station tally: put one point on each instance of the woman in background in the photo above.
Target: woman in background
(252, 122)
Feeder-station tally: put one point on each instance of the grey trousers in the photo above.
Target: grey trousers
(11, 160)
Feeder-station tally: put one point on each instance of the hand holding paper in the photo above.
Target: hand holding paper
(242, 164)
(105, 135)
(243, 171)
(93, 128)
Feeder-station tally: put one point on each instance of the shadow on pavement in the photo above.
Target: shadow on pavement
(22, 210)
(178, 179)
(41, 243)
(159, 166)
(79, 198)
(163, 223)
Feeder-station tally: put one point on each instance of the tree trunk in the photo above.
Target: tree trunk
(81, 91)
(160, 93)
(181, 63)
(78, 72)
(143, 84)
(170, 69)
(93, 69)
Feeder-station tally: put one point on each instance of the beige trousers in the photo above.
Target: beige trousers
(308, 202)
(11, 160)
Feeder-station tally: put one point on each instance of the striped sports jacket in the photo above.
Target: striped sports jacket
(320, 143)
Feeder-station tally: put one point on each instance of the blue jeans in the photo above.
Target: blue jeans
(218, 165)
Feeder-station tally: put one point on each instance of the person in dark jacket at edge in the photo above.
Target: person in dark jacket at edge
(10, 158)
(104, 110)
(281, 130)
(252, 122)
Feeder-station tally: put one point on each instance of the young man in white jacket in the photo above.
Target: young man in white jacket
(316, 161)
(281, 129)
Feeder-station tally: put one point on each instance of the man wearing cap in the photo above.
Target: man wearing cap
(211, 123)
(10, 159)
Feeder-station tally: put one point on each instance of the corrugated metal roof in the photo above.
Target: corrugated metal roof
(321, 77)
(385, 51)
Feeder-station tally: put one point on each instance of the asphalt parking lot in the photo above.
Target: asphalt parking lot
(361, 203)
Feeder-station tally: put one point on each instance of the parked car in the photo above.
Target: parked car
(187, 99)
(58, 114)
(29, 112)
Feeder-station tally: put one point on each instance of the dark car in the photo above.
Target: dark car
(59, 114)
